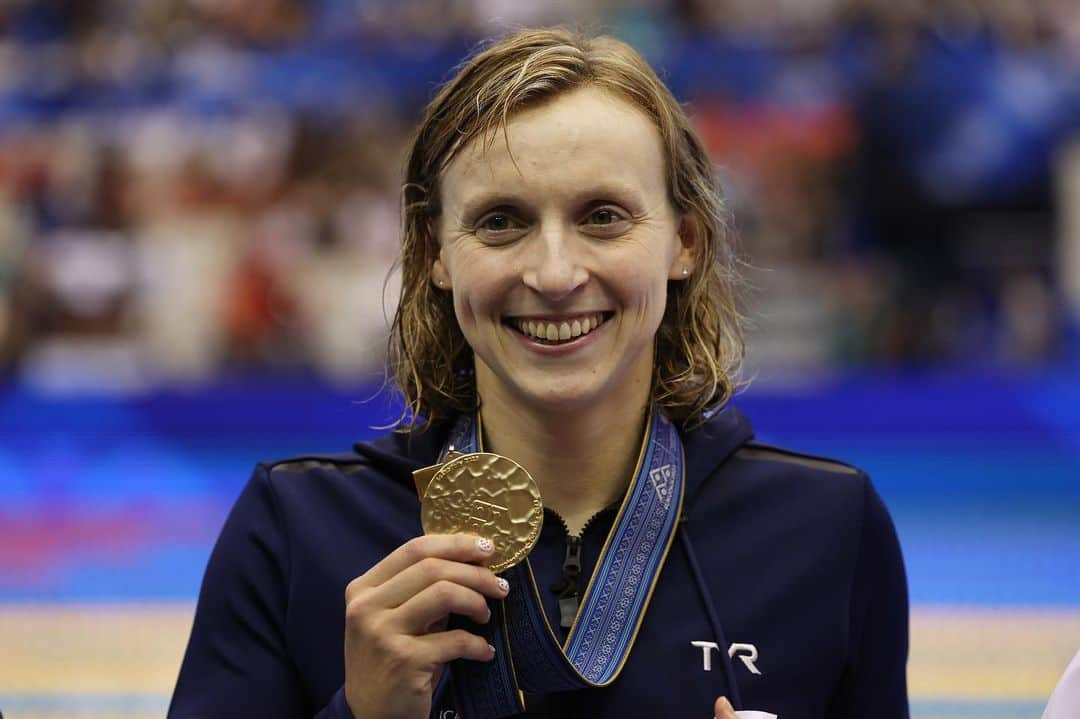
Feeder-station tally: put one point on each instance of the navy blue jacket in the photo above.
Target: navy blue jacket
(789, 561)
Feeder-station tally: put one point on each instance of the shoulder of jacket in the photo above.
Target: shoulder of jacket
(755, 451)
(345, 462)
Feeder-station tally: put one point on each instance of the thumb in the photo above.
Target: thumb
(723, 709)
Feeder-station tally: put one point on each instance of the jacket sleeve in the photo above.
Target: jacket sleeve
(875, 681)
(237, 662)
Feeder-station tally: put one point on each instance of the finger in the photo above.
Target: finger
(457, 547)
(723, 709)
(439, 625)
(455, 644)
(437, 601)
(414, 579)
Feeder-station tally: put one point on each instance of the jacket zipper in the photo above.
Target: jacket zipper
(568, 586)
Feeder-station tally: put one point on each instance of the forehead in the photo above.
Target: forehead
(576, 140)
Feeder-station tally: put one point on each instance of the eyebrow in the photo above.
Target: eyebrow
(486, 200)
(475, 205)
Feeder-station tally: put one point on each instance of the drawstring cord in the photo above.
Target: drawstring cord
(714, 621)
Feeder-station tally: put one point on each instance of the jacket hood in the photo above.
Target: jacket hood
(706, 447)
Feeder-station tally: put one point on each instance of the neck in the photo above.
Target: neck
(581, 459)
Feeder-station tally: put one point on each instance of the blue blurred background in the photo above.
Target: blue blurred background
(199, 212)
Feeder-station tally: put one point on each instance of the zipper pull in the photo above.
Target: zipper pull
(567, 587)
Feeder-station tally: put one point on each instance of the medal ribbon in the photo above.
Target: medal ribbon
(528, 655)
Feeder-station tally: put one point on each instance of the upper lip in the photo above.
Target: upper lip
(553, 317)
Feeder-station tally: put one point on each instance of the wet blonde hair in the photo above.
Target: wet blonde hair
(699, 345)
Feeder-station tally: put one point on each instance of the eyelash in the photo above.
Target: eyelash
(487, 218)
(617, 216)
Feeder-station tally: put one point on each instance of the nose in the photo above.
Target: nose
(553, 267)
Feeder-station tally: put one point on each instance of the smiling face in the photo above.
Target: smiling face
(558, 245)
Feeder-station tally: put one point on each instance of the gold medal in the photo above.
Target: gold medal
(484, 494)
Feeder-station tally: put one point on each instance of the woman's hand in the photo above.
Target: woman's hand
(396, 614)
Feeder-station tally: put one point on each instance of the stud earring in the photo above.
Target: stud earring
(685, 271)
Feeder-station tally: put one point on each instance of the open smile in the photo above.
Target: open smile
(557, 330)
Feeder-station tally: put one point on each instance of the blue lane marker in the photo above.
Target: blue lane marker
(957, 709)
(82, 704)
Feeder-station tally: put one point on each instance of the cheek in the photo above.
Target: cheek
(642, 285)
(479, 289)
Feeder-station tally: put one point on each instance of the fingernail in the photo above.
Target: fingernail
(485, 544)
(491, 648)
(503, 585)
(727, 705)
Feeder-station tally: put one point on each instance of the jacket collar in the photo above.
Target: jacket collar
(706, 447)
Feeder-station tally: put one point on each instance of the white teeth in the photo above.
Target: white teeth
(562, 331)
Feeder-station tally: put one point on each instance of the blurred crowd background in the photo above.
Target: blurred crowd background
(190, 188)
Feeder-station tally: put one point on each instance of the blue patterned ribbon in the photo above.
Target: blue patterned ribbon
(528, 655)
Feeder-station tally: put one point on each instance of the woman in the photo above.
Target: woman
(567, 303)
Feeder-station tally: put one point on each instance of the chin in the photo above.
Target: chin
(563, 401)
(563, 397)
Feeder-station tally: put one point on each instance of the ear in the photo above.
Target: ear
(684, 262)
(439, 276)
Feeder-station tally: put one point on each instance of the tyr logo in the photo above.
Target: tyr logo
(746, 652)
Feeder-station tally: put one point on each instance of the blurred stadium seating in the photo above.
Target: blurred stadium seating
(199, 211)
